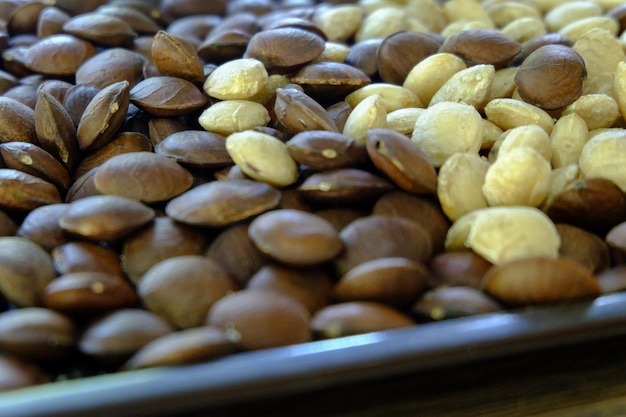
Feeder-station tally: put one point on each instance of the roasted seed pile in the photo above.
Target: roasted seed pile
(190, 180)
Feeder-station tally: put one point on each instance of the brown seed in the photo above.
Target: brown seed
(77, 99)
(17, 373)
(329, 81)
(17, 122)
(183, 347)
(14, 61)
(59, 55)
(183, 289)
(167, 96)
(311, 286)
(236, 252)
(540, 280)
(284, 50)
(25, 270)
(82, 187)
(194, 27)
(401, 160)
(138, 21)
(176, 57)
(111, 66)
(400, 52)
(103, 116)
(340, 217)
(451, 302)
(255, 319)
(551, 77)
(33, 160)
(197, 148)
(75, 7)
(298, 112)
(360, 56)
(37, 334)
(393, 281)
(357, 317)
(295, 237)
(24, 18)
(117, 335)
(424, 212)
(373, 237)
(583, 247)
(323, 150)
(143, 176)
(219, 203)
(83, 256)
(22, 192)
(344, 186)
(226, 43)
(594, 204)
(87, 293)
(531, 45)
(458, 268)
(174, 9)
(42, 226)
(160, 128)
(124, 142)
(56, 131)
(339, 112)
(8, 226)
(105, 217)
(101, 29)
(481, 46)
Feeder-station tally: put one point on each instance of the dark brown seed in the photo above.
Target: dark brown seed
(174, 9)
(24, 18)
(104, 116)
(42, 226)
(59, 55)
(14, 61)
(234, 250)
(83, 256)
(167, 96)
(77, 99)
(75, 7)
(139, 22)
(8, 226)
(183, 347)
(33, 160)
(197, 148)
(551, 77)
(340, 217)
(400, 52)
(531, 45)
(393, 281)
(87, 293)
(100, 29)
(111, 66)
(219, 203)
(143, 176)
(105, 217)
(583, 247)
(17, 373)
(17, 122)
(56, 131)
(481, 46)
(323, 150)
(195, 27)
(37, 334)
(183, 289)
(458, 268)
(118, 335)
(357, 317)
(23, 93)
(451, 302)
(295, 237)
(344, 186)
(255, 319)
(82, 187)
(286, 49)
(22, 192)
(329, 81)
(298, 112)
(361, 54)
(176, 57)
(401, 160)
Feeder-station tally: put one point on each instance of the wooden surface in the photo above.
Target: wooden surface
(587, 380)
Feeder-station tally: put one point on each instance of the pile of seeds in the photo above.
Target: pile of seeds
(194, 179)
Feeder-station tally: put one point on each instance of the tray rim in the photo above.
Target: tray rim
(319, 364)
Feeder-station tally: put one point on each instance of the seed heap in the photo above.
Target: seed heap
(194, 179)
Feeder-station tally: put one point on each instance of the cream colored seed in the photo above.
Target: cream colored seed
(431, 74)
(239, 79)
(531, 136)
(393, 96)
(447, 128)
(262, 157)
(274, 82)
(403, 120)
(491, 133)
(603, 156)
(226, 117)
(568, 137)
(333, 52)
(576, 29)
(518, 177)
(461, 25)
(524, 29)
(503, 84)
(560, 178)
(619, 88)
(370, 113)
(428, 12)
(564, 14)
(508, 113)
(339, 23)
(597, 110)
(382, 23)
(505, 13)
(601, 52)
(467, 11)
(469, 86)
(459, 184)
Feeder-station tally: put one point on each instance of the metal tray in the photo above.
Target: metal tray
(299, 368)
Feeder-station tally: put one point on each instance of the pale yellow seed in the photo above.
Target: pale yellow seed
(491, 133)
(604, 156)
(382, 23)
(370, 113)
(339, 23)
(467, 11)
(333, 52)
(568, 137)
(461, 25)
(524, 29)
(431, 74)
(531, 136)
(469, 86)
(601, 52)
(403, 120)
(576, 29)
(508, 113)
(507, 12)
(619, 88)
(564, 14)
(226, 117)
(393, 96)
(429, 12)
(560, 178)
(503, 84)
(597, 110)
(239, 79)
